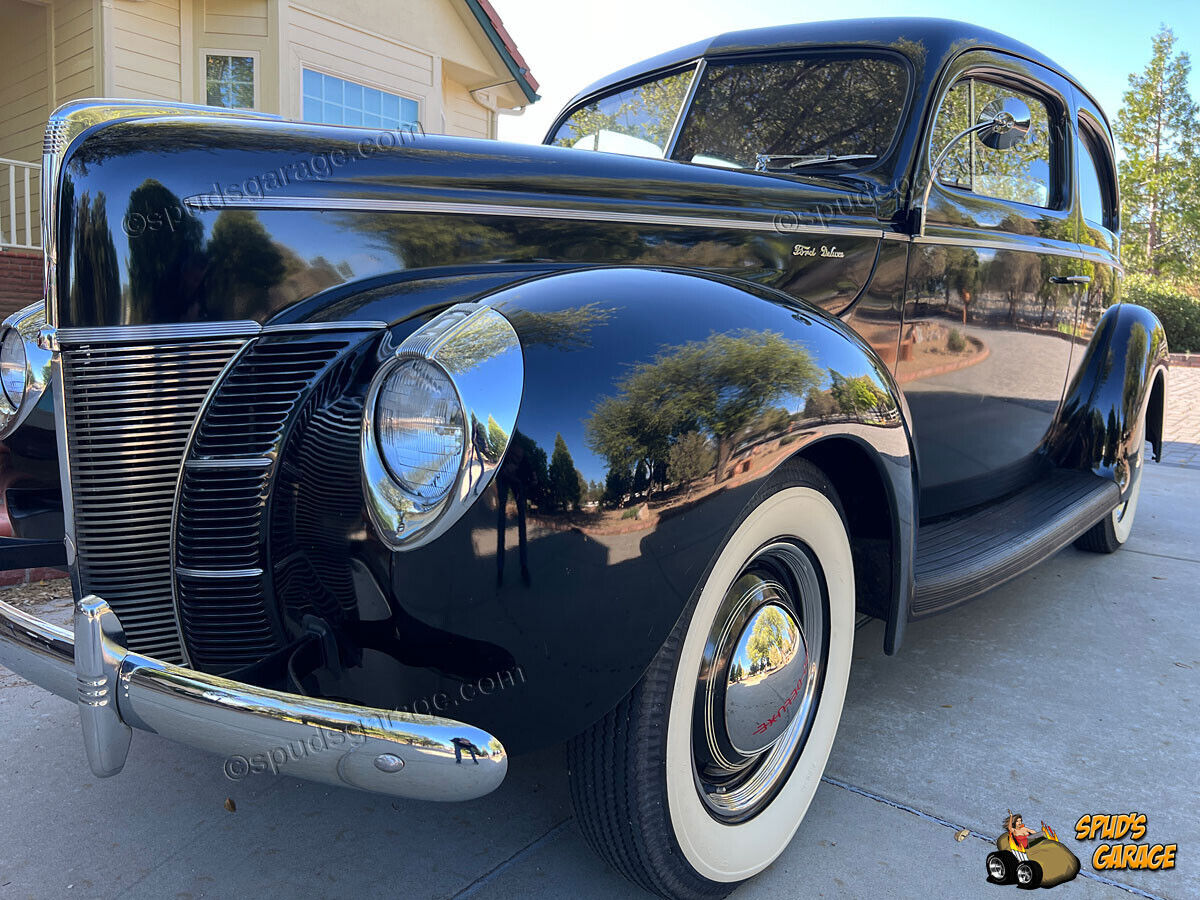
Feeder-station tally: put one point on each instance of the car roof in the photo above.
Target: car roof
(928, 43)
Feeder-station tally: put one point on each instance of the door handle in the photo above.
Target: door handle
(1070, 279)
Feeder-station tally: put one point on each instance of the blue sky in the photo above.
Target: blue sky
(570, 43)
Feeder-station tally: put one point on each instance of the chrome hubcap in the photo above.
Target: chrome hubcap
(996, 868)
(767, 672)
(759, 678)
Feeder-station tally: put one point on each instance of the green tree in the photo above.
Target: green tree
(690, 457)
(564, 482)
(243, 262)
(1160, 198)
(496, 438)
(771, 638)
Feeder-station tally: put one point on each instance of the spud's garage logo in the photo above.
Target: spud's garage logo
(1030, 857)
(1113, 855)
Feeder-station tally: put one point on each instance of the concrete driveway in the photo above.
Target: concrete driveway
(1074, 689)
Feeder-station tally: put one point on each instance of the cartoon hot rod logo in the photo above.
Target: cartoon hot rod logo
(1029, 857)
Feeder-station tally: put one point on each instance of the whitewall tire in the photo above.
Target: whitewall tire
(674, 787)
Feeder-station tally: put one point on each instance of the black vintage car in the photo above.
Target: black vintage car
(431, 450)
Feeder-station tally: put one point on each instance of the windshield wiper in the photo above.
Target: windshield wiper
(766, 162)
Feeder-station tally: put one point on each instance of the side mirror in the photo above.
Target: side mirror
(1002, 124)
(1005, 123)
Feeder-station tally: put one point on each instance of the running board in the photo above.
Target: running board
(962, 556)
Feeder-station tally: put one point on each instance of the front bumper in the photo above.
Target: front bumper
(254, 729)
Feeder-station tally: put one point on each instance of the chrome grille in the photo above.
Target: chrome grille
(129, 410)
(221, 542)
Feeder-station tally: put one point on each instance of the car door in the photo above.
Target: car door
(986, 342)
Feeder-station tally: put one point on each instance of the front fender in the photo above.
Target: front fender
(1110, 393)
(622, 371)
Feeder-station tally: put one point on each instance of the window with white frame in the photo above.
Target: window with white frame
(337, 101)
(229, 80)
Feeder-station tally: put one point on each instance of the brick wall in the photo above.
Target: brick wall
(20, 279)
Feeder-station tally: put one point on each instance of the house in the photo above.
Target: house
(444, 66)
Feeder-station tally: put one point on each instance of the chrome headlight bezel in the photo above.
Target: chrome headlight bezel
(27, 324)
(478, 350)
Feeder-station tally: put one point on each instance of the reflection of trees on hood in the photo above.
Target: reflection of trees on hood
(717, 386)
(95, 276)
(164, 260)
(484, 337)
(243, 261)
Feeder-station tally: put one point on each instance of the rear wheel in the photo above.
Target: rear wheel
(1110, 533)
(701, 775)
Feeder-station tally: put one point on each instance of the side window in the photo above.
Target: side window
(636, 122)
(1022, 174)
(1095, 181)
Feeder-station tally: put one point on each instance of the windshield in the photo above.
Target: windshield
(830, 111)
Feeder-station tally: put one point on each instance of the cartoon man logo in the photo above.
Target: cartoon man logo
(1030, 857)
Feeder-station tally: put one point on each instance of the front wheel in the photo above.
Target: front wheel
(699, 778)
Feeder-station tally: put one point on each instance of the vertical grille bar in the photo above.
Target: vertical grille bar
(129, 411)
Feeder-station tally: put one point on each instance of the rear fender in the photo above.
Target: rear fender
(1121, 380)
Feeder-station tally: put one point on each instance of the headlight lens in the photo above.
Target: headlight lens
(12, 366)
(420, 427)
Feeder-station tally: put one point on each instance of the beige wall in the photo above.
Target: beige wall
(24, 104)
(144, 45)
(318, 39)
(75, 50)
(247, 27)
(463, 115)
(401, 46)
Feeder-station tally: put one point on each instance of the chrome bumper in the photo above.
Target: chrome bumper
(254, 729)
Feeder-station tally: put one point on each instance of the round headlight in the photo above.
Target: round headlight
(12, 366)
(420, 426)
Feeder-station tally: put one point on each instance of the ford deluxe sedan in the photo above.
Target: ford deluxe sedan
(436, 450)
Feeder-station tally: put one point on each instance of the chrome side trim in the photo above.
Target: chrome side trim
(64, 127)
(367, 204)
(398, 754)
(127, 334)
(480, 351)
(250, 462)
(990, 244)
(218, 573)
(323, 326)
